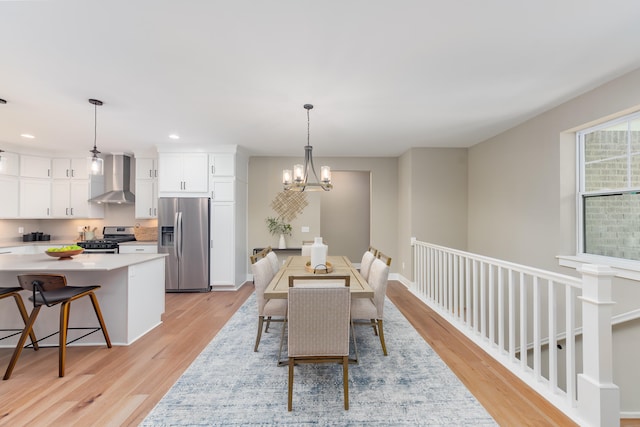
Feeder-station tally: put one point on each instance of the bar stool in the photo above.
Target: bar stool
(50, 290)
(15, 293)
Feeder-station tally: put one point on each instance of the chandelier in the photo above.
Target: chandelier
(97, 164)
(298, 180)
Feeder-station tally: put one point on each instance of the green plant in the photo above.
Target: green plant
(277, 226)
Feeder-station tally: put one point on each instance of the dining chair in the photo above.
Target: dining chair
(318, 326)
(373, 250)
(262, 275)
(263, 253)
(305, 250)
(385, 258)
(369, 311)
(365, 264)
(15, 293)
(50, 290)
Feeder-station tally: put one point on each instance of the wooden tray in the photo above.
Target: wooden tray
(327, 269)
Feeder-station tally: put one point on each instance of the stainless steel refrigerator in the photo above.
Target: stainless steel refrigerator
(183, 224)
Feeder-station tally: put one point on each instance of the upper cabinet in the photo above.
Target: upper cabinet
(9, 164)
(222, 164)
(35, 167)
(146, 168)
(183, 174)
(76, 168)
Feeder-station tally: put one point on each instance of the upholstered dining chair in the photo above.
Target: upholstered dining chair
(365, 264)
(318, 326)
(369, 311)
(50, 290)
(262, 275)
(262, 254)
(373, 250)
(15, 293)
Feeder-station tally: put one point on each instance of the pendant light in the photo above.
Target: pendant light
(298, 180)
(97, 164)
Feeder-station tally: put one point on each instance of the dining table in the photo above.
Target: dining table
(298, 266)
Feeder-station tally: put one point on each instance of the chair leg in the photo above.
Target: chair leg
(373, 325)
(96, 308)
(345, 380)
(290, 404)
(266, 328)
(259, 335)
(25, 319)
(381, 334)
(23, 338)
(62, 346)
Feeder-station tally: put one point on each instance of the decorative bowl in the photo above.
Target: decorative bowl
(64, 254)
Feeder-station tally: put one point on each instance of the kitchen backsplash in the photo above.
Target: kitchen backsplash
(68, 228)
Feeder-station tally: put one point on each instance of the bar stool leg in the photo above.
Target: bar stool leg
(96, 307)
(23, 338)
(25, 319)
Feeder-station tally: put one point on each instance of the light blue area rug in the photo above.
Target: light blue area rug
(230, 384)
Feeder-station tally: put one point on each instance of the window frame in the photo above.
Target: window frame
(582, 195)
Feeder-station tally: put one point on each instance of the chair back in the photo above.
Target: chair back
(373, 250)
(262, 275)
(263, 253)
(378, 279)
(365, 264)
(45, 282)
(385, 258)
(273, 260)
(305, 250)
(318, 321)
(327, 281)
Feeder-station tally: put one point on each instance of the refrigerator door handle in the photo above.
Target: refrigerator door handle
(179, 235)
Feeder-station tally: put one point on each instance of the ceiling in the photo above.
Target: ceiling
(384, 76)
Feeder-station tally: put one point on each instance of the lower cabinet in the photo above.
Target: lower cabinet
(222, 245)
(138, 249)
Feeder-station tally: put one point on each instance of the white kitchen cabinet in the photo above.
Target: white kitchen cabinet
(223, 238)
(35, 198)
(222, 164)
(222, 189)
(9, 163)
(70, 198)
(146, 198)
(146, 168)
(76, 168)
(183, 174)
(35, 166)
(9, 188)
(137, 249)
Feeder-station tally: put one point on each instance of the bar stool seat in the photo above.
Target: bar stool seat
(50, 290)
(15, 293)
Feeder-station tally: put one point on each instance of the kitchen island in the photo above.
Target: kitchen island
(131, 295)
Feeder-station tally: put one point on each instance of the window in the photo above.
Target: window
(609, 189)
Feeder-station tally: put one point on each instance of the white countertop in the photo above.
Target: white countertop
(82, 262)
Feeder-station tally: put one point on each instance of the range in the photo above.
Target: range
(112, 235)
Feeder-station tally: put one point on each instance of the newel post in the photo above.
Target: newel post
(598, 396)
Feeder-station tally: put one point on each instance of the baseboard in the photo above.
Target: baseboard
(629, 415)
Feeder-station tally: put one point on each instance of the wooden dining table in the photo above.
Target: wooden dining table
(295, 266)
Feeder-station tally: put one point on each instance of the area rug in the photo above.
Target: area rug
(231, 385)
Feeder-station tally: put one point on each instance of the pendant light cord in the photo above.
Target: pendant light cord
(95, 125)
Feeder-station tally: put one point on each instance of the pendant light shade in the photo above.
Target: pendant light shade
(298, 179)
(97, 164)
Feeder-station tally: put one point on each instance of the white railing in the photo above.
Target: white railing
(531, 321)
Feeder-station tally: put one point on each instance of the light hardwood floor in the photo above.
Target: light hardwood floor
(119, 386)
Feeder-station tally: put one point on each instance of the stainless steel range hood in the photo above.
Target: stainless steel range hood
(118, 185)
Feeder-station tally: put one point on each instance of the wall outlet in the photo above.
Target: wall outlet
(305, 229)
(20, 230)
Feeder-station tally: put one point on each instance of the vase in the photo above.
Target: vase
(318, 253)
(283, 243)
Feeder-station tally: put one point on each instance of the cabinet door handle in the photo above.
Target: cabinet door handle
(66, 211)
(71, 211)
(149, 211)
(67, 173)
(213, 195)
(73, 174)
(213, 170)
(150, 173)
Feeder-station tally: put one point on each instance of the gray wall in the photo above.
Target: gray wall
(522, 186)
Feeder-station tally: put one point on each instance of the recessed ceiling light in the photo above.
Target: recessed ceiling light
(28, 136)
(174, 136)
